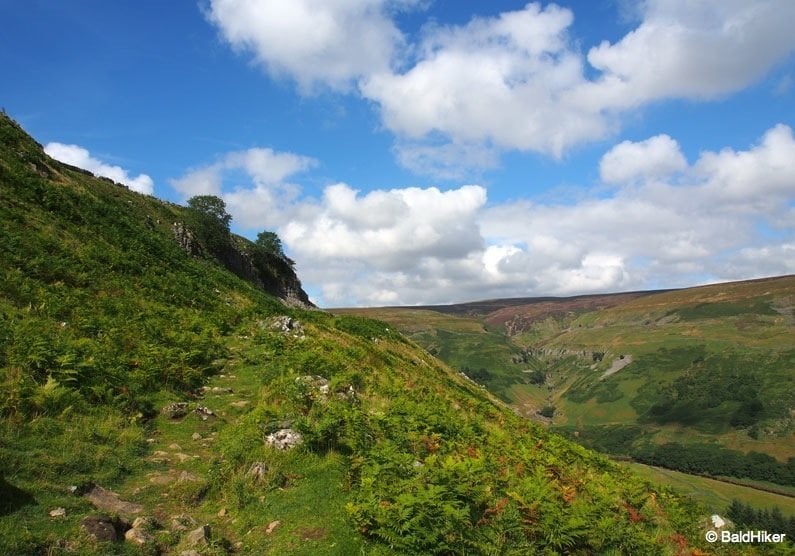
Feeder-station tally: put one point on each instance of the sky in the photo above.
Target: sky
(425, 152)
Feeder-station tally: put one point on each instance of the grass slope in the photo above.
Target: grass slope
(104, 320)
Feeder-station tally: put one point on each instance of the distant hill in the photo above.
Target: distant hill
(700, 379)
(165, 390)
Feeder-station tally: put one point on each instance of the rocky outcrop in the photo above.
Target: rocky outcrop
(273, 273)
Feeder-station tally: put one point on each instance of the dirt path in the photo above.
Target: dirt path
(618, 364)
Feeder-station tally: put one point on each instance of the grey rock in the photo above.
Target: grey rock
(198, 536)
(103, 528)
(138, 536)
(284, 439)
(175, 410)
(109, 501)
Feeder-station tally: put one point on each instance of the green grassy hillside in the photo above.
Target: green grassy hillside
(702, 379)
(106, 323)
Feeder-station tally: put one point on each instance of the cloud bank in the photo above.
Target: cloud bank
(515, 81)
(730, 214)
(80, 157)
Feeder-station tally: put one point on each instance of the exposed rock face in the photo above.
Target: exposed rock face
(273, 273)
(186, 239)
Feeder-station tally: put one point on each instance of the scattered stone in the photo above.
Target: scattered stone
(347, 393)
(174, 446)
(257, 470)
(220, 390)
(175, 410)
(204, 412)
(162, 480)
(222, 512)
(150, 440)
(184, 457)
(109, 501)
(196, 436)
(717, 521)
(314, 384)
(103, 528)
(198, 536)
(145, 522)
(187, 477)
(58, 512)
(138, 536)
(189, 553)
(241, 403)
(284, 439)
(286, 325)
(272, 526)
(182, 522)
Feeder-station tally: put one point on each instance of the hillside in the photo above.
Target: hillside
(150, 393)
(698, 379)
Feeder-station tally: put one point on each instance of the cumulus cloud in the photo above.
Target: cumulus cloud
(656, 157)
(726, 215)
(313, 42)
(261, 188)
(514, 81)
(80, 157)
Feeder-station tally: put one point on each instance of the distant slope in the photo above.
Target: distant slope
(628, 372)
(141, 380)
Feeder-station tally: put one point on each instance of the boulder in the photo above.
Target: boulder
(199, 536)
(284, 439)
(108, 501)
(103, 528)
(138, 536)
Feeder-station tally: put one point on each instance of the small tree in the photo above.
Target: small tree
(270, 243)
(210, 222)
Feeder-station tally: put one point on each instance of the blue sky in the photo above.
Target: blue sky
(412, 151)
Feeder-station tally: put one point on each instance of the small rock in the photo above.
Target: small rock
(108, 501)
(145, 522)
(257, 470)
(150, 440)
(174, 446)
(284, 439)
(189, 553)
(175, 410)
(102, 527)
(199, 536)
(204, 412)
(272, 526)
(138, 536)
(222, 512)
(241, 403)
(196, 436)
(186, 476)
(58, 512)
(220, 390)
(182, 522)
(184, 457)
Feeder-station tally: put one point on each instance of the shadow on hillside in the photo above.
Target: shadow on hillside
(12, 498)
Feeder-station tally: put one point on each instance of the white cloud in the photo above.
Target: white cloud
(692, 50)
(255, 200)
(80, 157)
(311, 41)
(515, 81)
(657, 157)
(727, 215)
(518, 81)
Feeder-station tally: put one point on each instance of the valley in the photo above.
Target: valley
(699, 379)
